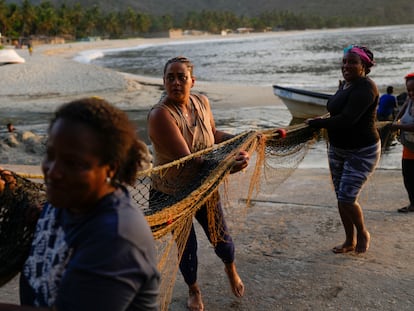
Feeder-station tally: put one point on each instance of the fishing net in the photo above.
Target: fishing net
(170, 214)
(21, 202)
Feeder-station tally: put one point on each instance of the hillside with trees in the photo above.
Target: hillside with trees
(380, 11)
(128, 18)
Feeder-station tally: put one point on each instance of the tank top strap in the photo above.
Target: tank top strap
(179, 118)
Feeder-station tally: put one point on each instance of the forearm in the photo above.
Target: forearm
(220, 136)
(404, 127)
(320, 122)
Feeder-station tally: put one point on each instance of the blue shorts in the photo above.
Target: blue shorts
(350, 169)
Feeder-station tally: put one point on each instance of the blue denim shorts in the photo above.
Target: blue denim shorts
(350, 169)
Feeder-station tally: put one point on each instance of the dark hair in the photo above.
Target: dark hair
(369, 53)
(180, 59)
(367, 65)
(390, 89)
(10, 127)
(117, 136)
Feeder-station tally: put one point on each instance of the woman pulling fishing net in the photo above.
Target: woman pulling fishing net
(354, 143)
(180, 124)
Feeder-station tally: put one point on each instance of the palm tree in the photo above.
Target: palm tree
(28, 15)
(4, 24)
(46, 19)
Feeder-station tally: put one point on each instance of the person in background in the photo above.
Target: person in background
(180, 124)
(401, 98)
(404, 122)
(92, 250)
(387, 106)
(354, 143)
(10, 128)
(30, 47)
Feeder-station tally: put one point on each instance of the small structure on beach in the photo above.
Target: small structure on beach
(244, 30)
(171, 33)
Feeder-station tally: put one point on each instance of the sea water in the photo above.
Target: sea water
(304, 59)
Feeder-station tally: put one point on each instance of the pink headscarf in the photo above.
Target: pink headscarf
(366, 55)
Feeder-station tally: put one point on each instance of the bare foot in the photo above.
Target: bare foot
(194, 302)
(236, 283)
(363, 240)
(344, 248)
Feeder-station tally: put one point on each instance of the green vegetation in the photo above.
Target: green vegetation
(77, 21)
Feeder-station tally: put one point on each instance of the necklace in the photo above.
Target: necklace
(186, 112)
(192, 117)
(180, 110)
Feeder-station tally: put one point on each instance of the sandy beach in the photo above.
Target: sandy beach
(51, 76)
(283, 250)
(283, 242)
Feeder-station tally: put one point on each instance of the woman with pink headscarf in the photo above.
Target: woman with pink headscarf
(354, 144)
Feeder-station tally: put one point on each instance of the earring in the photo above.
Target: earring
(108, 180)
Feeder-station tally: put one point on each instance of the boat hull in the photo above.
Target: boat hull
(302, 104)
(9, 56)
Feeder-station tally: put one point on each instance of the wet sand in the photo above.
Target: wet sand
(283, 249)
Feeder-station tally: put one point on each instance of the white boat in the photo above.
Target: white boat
(10, 56)
(302, 104)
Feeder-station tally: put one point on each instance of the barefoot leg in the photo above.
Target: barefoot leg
(236, 283)
(194, 302)
(363, 240)
(349, 244)
(357, 216)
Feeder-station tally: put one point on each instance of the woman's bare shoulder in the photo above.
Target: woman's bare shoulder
(159, 111)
